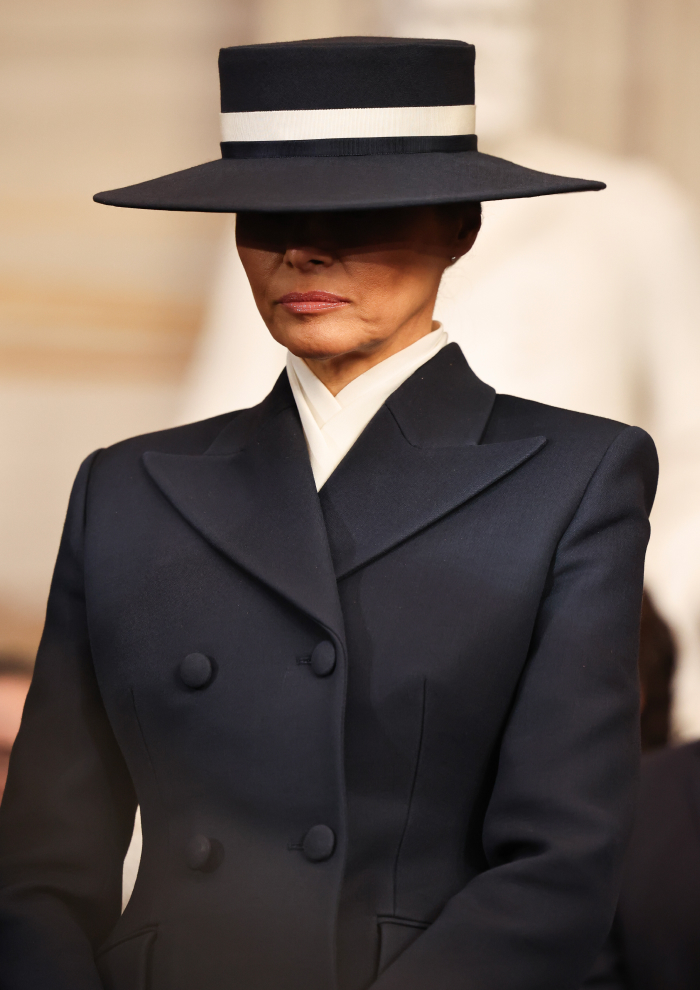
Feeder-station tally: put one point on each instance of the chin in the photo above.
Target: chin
(322, 339)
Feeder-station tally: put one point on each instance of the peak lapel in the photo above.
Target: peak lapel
(418, 459)
(252, 496)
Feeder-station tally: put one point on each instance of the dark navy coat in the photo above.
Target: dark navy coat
(381, 735)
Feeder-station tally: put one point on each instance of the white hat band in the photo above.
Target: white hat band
(354, 122)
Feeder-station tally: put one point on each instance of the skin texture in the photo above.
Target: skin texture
(377, 273)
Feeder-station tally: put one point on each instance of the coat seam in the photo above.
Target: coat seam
(404, 831)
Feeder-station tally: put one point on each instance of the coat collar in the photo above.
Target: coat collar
(418, 459)
(252, 496)
(252, 493)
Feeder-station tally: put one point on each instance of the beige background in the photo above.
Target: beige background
(624, 76)
(100, 308)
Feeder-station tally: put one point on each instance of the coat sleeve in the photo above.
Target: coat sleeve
(69, 805)
(560, 810)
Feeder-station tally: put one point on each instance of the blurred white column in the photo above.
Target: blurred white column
(237, 361)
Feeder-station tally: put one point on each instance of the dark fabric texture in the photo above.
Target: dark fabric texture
(349, 173)
(655, 944)
(231, 185)
(437, 796)
(334, 147)
(334, 73)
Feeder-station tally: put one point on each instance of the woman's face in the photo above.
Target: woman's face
(361, 281)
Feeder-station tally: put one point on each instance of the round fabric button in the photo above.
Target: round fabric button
(323, 659)
(199, 852)
(319, 843)
(196, 670)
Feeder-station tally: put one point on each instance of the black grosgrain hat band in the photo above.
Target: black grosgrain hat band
(344, 124)
(339, 147)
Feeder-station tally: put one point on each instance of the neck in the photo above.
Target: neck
(339, 370)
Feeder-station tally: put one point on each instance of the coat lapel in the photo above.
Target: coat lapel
(252, 496)
(418, 459)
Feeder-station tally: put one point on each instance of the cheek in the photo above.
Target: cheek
(260, 267)
(405, 279)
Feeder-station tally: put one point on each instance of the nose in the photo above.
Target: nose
(308, 259)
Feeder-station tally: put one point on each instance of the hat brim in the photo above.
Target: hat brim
(352, 182)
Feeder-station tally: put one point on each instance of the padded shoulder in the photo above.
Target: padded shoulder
(198, 438)
(514, 418)
(192, 438)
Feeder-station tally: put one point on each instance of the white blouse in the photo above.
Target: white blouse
(331, 423)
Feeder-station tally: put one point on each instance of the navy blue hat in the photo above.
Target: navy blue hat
(344, 123)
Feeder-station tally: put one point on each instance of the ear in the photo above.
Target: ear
(469, 228)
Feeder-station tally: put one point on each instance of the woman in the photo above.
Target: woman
(365, 654)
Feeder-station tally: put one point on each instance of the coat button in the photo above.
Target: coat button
(198, 852)
(196, 670)
(323, 659)
(319, 843)
(203, 854)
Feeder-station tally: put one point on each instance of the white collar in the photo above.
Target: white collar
(331, 423)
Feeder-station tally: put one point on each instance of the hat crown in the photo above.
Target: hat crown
(339, 73)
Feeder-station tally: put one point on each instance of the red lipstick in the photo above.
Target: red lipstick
(311, 302)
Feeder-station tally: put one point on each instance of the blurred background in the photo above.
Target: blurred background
(112, 322)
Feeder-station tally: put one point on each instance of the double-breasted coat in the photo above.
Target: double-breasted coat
(384, 734)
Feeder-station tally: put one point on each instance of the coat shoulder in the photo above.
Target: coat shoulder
(513, 417)
(192, 438)
(189, 439)
(577, 443)
(203, 436)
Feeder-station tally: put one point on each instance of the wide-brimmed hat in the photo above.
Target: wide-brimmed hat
(344, 123)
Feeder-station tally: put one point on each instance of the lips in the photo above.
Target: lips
(312, 302)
